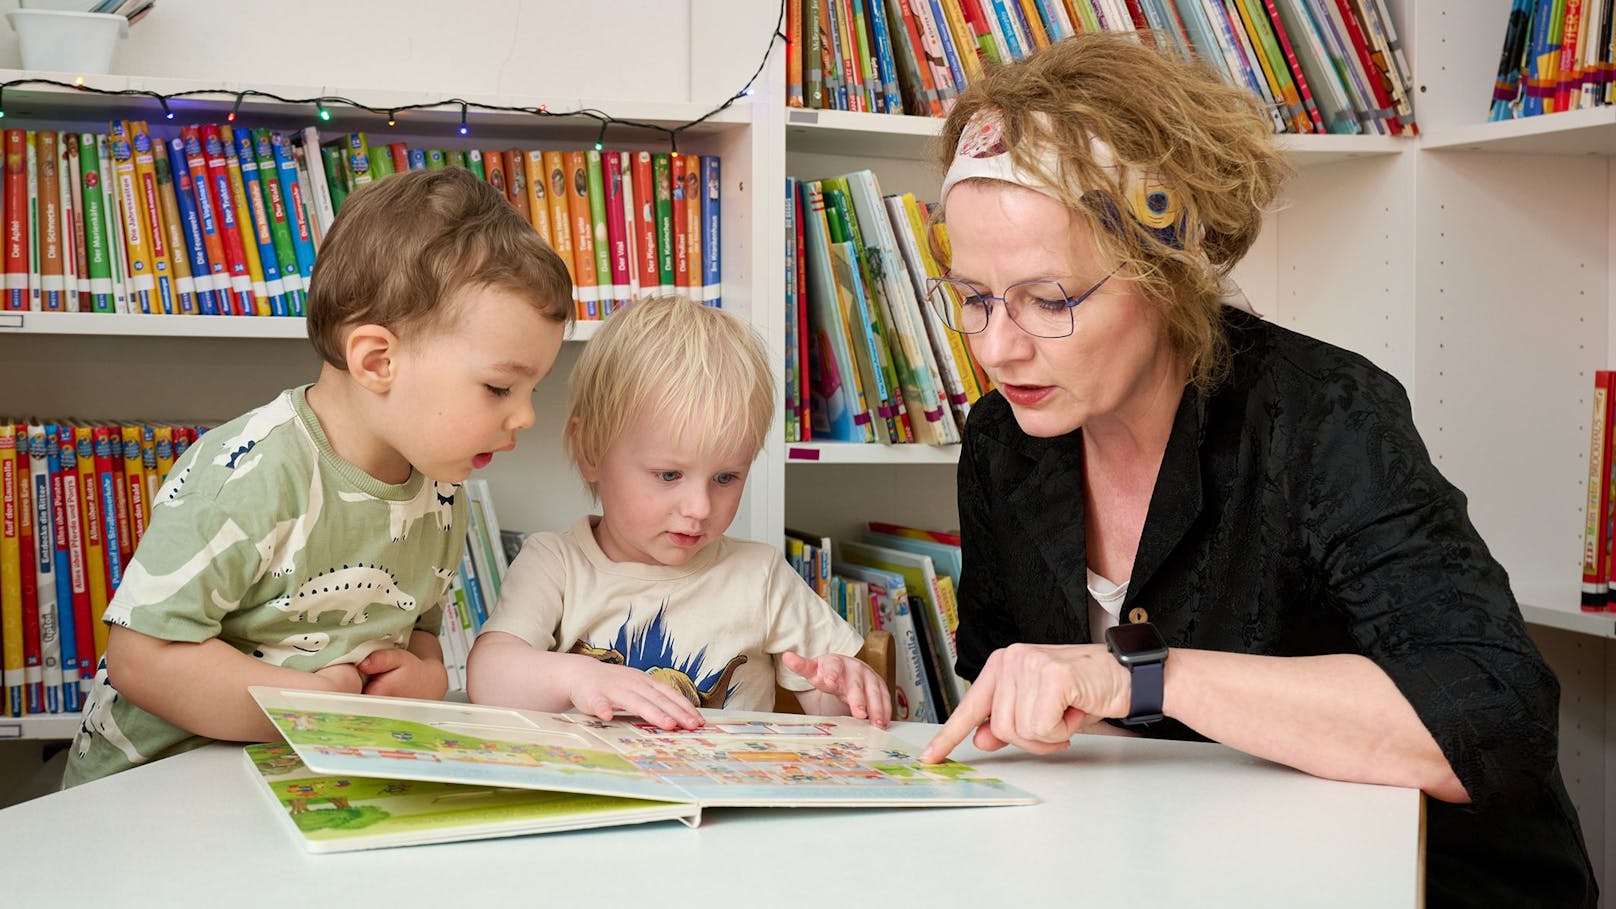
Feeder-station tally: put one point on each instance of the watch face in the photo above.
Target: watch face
(1138, 640)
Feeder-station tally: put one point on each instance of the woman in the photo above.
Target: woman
(1272, 561)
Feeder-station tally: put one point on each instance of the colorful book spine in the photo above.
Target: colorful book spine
(600, 232)
(417, 159)
(583, 236)
(693, 237)
(32, 173)
(229, 220)
(50, 565)
(134, 484)
(662, 177)
(118, 249)
(151, 212)
(142, 280)
(336, 182)
(148, 466)
(73, 611)
(248, 226)
(516, 183)
(98, 264)
(282, 247)
(207, 285)
(631, 239)
(1594, 545)
(645, 234)
(106, 452)
(207, 210)
(28, 582)
(77, 264)
(92, 638)
(53, 296)
(681, 226)
(555, 171)
(711, 277)
(10, 576)
(15, 193)
(617, 233)
(296, 215)
(538, 200)
(185, 288)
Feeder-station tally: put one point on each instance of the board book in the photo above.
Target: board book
(394, 771)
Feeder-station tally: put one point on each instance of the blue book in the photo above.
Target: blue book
(255, 220)
(65, 459)
(185, 187)
(298, 217)
(417, 158)
(711, 278)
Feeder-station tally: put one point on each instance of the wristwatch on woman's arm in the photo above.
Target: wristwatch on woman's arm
(1139, 647)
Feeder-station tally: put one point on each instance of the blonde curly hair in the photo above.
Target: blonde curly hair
(1206, 142)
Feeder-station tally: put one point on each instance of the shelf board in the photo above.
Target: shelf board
(869, 453)
(136, 325)
(46, 103)
(1555, 606)
(1572, 132)
(46, 726)
(843, 132)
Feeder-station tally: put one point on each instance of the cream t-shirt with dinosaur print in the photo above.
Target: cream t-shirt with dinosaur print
(712, 627)
(263, 537)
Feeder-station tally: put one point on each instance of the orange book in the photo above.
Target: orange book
(538, 200)
(583, 236)
(644, 224)
(693, 240)
(681, 227)
(495, 171)
(151, 209)
(555, 169)
(53, 282)
(134, 483)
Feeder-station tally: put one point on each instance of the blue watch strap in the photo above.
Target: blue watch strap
(1146, 706)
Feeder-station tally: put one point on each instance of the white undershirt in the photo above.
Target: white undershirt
(1105, 605)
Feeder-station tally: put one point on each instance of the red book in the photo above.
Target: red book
(83, 640)
(401, 157)
(645, 220)
(1372, 73)
(616, 226)
(224, 207)
(1295, 68)
(28, 548)
(804, 330)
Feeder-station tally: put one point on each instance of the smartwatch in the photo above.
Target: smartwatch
(1139, 647)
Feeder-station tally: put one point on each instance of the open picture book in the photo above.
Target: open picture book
(367, 772)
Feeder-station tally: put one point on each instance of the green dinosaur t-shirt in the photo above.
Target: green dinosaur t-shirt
(263, 537)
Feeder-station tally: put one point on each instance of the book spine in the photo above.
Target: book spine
(555, 171)
(11, 564)
(583, 236)
(185, 289)
(297, 218)
(77, 265)
(538, 199)
(106, 449)
(681, 227)
(645, 231)
(118, 251)
(143, 284)
(187, 201)
(53, 295)
(662, 176)
(148, 466)
(617, 232)
(711, 277)
(229, 221)
(249, 208)
(28, 582)
(92, 640)
(600, 232)
(134, 485)
(15, 193)
(49, 543)
(631, 236)
(282, 248)
(76, 604)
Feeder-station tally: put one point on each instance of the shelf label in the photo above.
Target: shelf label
(802, 454)
(11, 321)
(10, 730)
(797, 115)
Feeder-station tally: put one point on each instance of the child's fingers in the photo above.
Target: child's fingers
(879, 701)
(799, 664)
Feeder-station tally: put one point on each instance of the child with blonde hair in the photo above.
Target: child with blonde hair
(648, 607)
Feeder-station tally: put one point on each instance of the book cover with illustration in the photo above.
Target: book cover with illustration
(736, 760)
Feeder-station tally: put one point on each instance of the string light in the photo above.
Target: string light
(391, 113)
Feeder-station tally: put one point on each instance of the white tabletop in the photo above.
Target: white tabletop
(1123, 822)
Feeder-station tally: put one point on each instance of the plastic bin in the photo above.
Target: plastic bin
(67, 42)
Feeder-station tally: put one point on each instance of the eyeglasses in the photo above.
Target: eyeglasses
(1040, 308)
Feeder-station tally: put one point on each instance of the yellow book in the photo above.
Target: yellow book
(95, 541)
(151, 210)
(10, 576)
(250, 219)
(956, 343)
(156, 457)
(1035, 24)
(142, 281)
(555, 166)
(538, 198)
(184, 281)
(964, 39)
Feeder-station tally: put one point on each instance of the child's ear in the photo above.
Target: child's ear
(589, 471)
(372, 356)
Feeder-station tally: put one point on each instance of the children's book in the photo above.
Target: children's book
(350, 746)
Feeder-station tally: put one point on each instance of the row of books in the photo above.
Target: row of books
(223, 220)
(867, 360)
(476, 585)
(900, 580)
(77, 499)
(1599, 527)
(209, 221)
(1319, 66)
(1558, 55)
(626, 223)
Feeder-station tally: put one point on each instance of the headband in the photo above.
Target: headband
(984, 153)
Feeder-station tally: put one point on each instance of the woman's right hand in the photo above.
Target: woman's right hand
(1035, 697)
(601, 689)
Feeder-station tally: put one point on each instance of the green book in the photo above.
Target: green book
(662, 176)
(597, 223)
(436, 159)
(336, 175)
(381, 161)
(96, 251)
(474, 163)
(454, 157)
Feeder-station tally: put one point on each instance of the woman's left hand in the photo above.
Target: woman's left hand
(1035, 697)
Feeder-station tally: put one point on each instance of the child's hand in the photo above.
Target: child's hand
(343, 678)
(398, 673)
(600, 689)
(850, 681)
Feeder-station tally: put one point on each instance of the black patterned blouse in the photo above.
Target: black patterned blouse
(1297, 513)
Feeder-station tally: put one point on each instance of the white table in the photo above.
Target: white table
(1123, 822)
